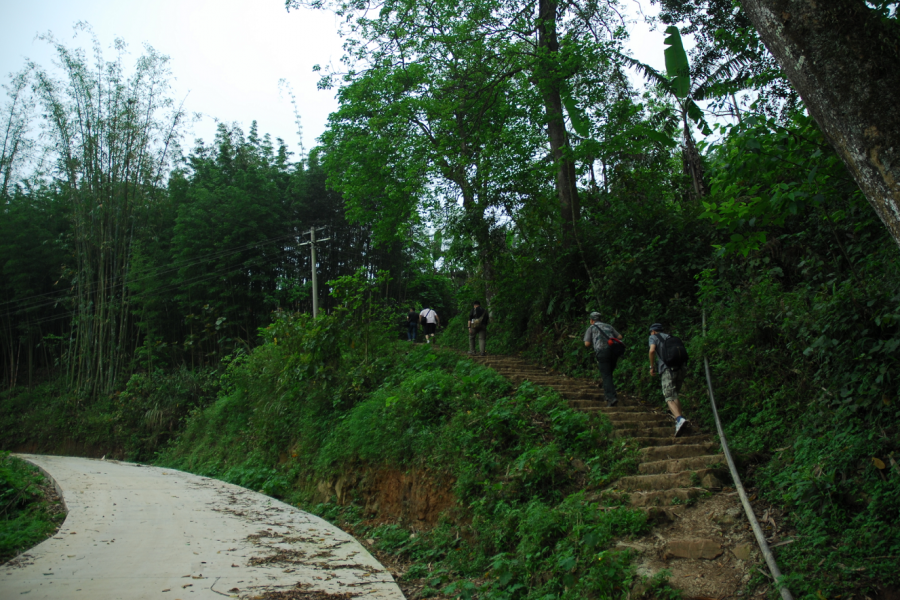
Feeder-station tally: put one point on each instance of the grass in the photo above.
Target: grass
(518, 462)
(28, 515)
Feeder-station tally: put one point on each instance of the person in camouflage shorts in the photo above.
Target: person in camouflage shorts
(671, 378)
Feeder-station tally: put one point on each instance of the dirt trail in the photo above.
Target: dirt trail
(702, 535)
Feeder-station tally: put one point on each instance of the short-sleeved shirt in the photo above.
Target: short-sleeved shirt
(429, 315)
(412, 317)
(598, 335)
(655, 339)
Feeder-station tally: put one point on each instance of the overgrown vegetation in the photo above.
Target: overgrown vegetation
(524, 171)
(27, 515)
(518, 462)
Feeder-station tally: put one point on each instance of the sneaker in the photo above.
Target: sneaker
(611, 403)
(680, 425)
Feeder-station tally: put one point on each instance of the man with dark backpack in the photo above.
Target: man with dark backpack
(669, 358)
(608, 347)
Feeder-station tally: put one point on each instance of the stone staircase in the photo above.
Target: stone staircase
(673, 471)
(700, 542)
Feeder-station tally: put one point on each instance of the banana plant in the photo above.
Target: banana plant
(677, 84)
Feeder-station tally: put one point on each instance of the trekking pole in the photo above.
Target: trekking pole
(751, 516)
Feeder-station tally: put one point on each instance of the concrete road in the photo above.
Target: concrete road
(136, 532)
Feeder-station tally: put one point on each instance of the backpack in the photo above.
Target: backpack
(671, 351)
(616, 346)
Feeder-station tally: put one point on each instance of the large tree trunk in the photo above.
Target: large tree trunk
(843, 61)
(549, 81)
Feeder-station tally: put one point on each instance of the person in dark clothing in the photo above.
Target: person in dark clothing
(478, 321)
(597, 336)
(412, 324)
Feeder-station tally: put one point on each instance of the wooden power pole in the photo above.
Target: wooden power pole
(315, 285)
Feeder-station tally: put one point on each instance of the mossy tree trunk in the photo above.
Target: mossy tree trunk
(842, 57)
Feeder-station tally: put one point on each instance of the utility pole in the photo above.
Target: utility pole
(315, 285)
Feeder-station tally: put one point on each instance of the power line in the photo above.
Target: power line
(204, 259)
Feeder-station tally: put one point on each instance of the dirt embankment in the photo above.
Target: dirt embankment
(416, 496)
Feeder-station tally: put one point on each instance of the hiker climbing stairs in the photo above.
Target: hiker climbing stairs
(672, 471)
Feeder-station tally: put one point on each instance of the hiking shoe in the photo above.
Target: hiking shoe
(680, 426)
(611, 403)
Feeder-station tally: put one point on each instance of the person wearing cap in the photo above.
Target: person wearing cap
(598, 335)
(671, 378)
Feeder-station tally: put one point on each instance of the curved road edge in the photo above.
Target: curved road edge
(136, 532)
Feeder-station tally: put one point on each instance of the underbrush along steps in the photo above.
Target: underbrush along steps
(673, 471)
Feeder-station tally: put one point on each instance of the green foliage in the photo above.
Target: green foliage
(766, 173)
(133, 423)
(677, 66)
(297, 410)
(26, 518)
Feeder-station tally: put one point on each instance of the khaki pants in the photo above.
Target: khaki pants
(481, 334)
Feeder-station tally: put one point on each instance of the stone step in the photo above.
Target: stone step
(643, 415)
(658, 514)
(570, 393)
(676, 465)
(585, 394)
(585, 403)
(518, 374)
(705, 478)
(550, 380)
(646, 433)
(693, 548)
(664, 441)
(660, 498)
(681, 448)
(629, 425)
(617, 409)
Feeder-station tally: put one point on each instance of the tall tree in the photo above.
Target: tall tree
(842, 58)
(464, 65)
(112, 135)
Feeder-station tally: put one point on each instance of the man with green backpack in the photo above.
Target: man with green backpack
(669, 358)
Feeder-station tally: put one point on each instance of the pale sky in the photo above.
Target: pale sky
(227, 55)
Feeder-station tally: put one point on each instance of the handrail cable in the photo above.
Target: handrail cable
(751, 516)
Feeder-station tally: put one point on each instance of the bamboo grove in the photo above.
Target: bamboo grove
(120, 253)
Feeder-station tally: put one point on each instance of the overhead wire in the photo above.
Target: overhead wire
(330, 250)
(203, 259)
(155, 291)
